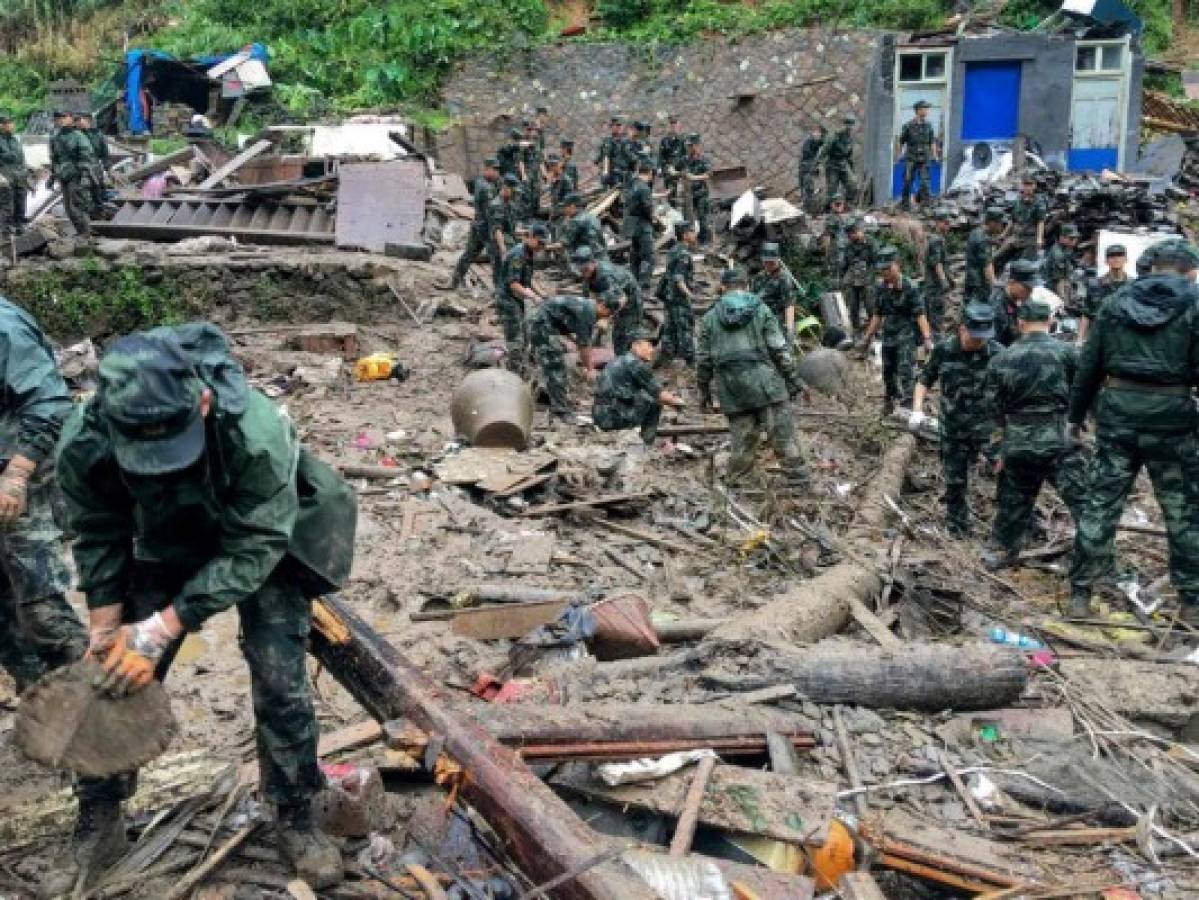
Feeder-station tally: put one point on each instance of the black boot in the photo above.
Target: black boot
(96, 843)
(1080, 604)
(309, 851)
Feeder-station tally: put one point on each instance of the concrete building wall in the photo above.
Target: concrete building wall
(752, 99)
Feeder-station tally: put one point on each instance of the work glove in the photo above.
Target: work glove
(103, 623)
(14, 491)
(916, 419)
(128, 665)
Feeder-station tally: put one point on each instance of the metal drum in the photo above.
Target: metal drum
(493, 408)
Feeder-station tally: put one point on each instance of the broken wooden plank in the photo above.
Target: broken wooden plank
(684, 830)
(647, 536)
(544, 836)
(361, 470)
(255, 149)
(738, 799)
(550, 509)
(848, 761)
(1080, 837)
(960, 787)
(872, 624)
(783, 758)
(508, 621)
(1140, 691)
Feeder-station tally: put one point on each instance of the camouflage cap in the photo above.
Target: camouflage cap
(567, 143)
(1145, 260)
(770, 250)
(856, 225)
(995, 214)
(515, 134)
(732, 276)
(5, 116)
(837, 197)
(537, 230)
(644, 166)
(641, 333)
(1069, 229)
(149, 395)
(1024, 271)
(491, 162)
(616, 120)
(543, 109)
(1176, 252)
(1034, 310)
(553, 158)
(1029, 178)
(61, 114)
(572, 199)
(511, 180)
(979, 320)
(921, 104)
(694, 138)
(942, 214)
(681, 228)
(885, 257)
(673, 117)
(639, 124)
(581, 256)
(1116, 250)
(850, 119)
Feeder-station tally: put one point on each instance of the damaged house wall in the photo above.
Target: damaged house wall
(751, 100)
(1043, 96)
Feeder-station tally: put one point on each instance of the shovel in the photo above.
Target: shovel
(65, 723)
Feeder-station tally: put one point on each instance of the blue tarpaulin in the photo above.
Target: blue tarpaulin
(135, 72)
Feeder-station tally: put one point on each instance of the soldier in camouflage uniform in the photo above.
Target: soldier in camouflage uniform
(959, 363)
(1006, 299)
(38, 629)
(618, 290)
(980, 255)
(1029, 384)
(777, 287)
(676, 290)
(562, 183)
(1026, 229)
(628, 395)
(742, 349)
(503, 215)
(580, 228)
(809, 165)
(672, 156)
(698, 174)
(73, 166)
(15, 173)
(837, 157)
(570, 169)
(1104, 287)
(178, 457)
(514, 289)
(574, 316)
(480, 231)
(936, 271)
(511, 155)
(899, 313)
(638, 224)
(613, 155)
(836, 235)
(918, 146)
(1057, 268)
(99, 145)
(1141, 363)
(857, 272)
(532, 158)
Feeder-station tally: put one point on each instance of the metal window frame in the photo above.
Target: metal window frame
(1124, 74)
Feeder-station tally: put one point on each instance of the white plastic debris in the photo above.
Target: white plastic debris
(648, 769)
(984, 790)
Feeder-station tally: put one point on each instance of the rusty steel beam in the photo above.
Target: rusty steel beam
(541, 832)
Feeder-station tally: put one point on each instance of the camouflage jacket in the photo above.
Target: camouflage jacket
(857, 261)
(73, 157)
(531, 155)
(227, 525)
(508, 155)
(624, 379)
(742, 347)
(1006, 331)
(583, 229)
(574, 316)
(483, 195)
(809, 153)
(99, 145)
(917, 139)
(777, 291)
(680, 268)
(1098, 290)
(561, 188)
(502, 216)
(900, 307)
(699, 165)
(966, 407)
(12, 159)
(616, 152)
(616, 286)
(838, 149)
(1149, 333)
(978, 257)
(1026, 214)
(672, 152)
(1030, 383)
(638, 208)
(35, 399)
(516, 267)
(1058, 265)
(935, 255)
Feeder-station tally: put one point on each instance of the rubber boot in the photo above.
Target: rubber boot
(307, 849)
(96, 843)
(1080, 604)
(994, 560)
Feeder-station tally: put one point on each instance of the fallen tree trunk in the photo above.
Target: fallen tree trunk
(929, 677)
(1167, 694)
(873, 511)
(544, 836)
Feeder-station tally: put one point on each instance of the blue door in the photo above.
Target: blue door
(991, 104)
(1095, 124)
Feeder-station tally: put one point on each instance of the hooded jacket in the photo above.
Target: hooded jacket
(1148, 333)
(742, 347)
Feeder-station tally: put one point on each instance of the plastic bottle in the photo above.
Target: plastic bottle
(1001, 635)
(377, 367)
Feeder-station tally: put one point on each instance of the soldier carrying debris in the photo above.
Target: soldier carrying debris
(580, 228)
(918, 145)
(777, 288)
(1141, 364)
(183, 488)
(742, 349)
(480, 230)
(676, 290)
(612, 156)
(502, 216)
(628, 395)
(899, 313)
(857, 272)
(514, 289)
(672, 155)
(575, 316)
(617, 288)
(698, 174)
(14, 174)
(1030, 383)
(1006, 299)
(959, 363)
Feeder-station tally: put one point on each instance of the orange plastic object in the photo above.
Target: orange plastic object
(834, 859)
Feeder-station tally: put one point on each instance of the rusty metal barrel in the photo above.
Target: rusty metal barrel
(493, 408)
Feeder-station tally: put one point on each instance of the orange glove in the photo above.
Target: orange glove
(129, 663)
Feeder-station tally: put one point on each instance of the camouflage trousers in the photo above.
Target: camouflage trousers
(934, 308)
(38, 629)
(475, 242)
(512, 319)
(546, 348)
(533, 194)
(640, 411)
(899, 371)
(745, 430)
(79, 198)
(624, 323)
(912, 170)
(641, 254)
(957, 456)
(702, 206)
(1020, 482)
(275, 622)
(839, 180)
(860, 299)
(807, 186)
(678, 332)
(1172, 460)
(6, 206)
